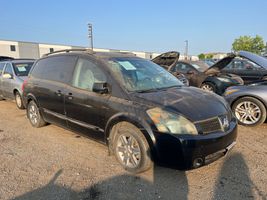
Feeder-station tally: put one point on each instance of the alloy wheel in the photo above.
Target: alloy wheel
(207, 87)
(248, 112)
(128, 151)
(18, 100)
(33, 114)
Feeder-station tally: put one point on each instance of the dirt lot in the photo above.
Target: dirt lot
(53, 163)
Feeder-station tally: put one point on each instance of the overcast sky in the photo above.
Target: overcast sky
(144, 25)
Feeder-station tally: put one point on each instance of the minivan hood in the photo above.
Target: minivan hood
(220, 64)
(261, 61)
(195, 104)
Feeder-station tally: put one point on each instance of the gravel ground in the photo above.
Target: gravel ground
(53, 163)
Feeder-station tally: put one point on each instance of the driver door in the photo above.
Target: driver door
(85, 109)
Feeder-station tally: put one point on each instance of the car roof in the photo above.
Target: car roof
(18, 60)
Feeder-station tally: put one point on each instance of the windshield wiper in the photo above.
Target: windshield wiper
(148, 90)
(157, 89)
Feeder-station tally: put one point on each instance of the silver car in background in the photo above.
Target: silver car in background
(12, 75)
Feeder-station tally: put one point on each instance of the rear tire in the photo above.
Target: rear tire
(207, 86)
(249, 111)
(130, 147)
(34, 115)
(19, 101)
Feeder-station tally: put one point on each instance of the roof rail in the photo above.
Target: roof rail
(69, 50)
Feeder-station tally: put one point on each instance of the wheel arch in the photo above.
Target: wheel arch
(30, 97)
(140, 124)
(252, 96)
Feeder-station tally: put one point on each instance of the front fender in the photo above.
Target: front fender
(143, 126)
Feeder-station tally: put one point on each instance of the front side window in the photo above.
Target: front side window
(181, 67)
(1, 68)
(8, 69)
(138, 75)
(22, 69)
(86, 74)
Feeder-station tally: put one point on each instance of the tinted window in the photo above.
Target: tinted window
(8, 69)
(22, 69)
(86, 74)
(243, 65)
(1, 67)
(58, 68)
(181, 67)
(12, 48)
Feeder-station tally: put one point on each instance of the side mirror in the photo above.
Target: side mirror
(7, 76)
(100, 87)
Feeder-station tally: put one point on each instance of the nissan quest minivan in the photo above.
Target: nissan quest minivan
(138, 109)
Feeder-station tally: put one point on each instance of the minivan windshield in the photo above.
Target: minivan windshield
(22, 69)
(140, 75)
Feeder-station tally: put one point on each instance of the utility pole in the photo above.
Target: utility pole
(90, 35)
(186, 50)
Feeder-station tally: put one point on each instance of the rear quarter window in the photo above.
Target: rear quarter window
(58, 68)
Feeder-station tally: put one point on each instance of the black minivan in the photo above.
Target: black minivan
(141, 111)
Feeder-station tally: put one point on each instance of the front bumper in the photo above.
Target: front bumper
(188, 152)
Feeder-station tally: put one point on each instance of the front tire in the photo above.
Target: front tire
(209, 87)
(249, 111)
(19, 101)
(130, 147)
(34, 115)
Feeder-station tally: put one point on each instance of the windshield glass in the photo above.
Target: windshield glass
(22, 69)
(200, 65)
(137, 74)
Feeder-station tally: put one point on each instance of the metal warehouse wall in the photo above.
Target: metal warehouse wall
(28, 50)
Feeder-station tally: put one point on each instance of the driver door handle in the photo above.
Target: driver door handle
(70, 97)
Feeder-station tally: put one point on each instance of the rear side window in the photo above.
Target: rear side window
(22, 69)
(58, 68)
(1, 68)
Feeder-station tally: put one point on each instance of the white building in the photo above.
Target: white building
(21, 49)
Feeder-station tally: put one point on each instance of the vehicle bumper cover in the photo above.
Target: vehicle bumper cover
(188, 152)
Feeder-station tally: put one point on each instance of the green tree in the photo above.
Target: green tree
(201, 56)
(248, 43)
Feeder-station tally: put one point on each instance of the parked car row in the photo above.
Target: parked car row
(137, 108)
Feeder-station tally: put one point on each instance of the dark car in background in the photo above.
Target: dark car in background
(169, 59)
(202, 75)
(209, 62)
(250, 67)
(141, 111)
(2, 58)
(12, 74)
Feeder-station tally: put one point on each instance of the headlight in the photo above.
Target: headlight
(171, 123)
(224, 79)
(228, 92)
